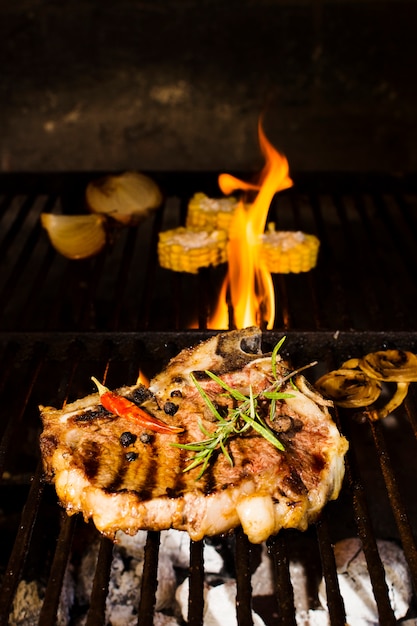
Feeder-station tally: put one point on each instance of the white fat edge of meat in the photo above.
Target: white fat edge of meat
(309, 391)
(256, 514)
(305, 405)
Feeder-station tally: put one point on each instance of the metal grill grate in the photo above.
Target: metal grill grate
(61, 320)
(367, 229)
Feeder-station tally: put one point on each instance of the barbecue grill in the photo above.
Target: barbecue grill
(62, 321)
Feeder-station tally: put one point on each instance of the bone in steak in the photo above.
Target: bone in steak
(128, 478)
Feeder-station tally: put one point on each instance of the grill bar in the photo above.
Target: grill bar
(53, 591)
(97, 609)
(334, 599)
(396, 501)
(285, 596)
(196, 584)
(149, 580)
(243, 582)
(21, 546)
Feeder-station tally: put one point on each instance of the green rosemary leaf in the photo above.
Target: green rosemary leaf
(198, 460)
(204, 467)
(251, 403)
(226, 453)
(203, 429)
(274, 357)
(265, 432)
(207, 400)
(272, 409)
(193, 447)
(235, 393)
(276, 395)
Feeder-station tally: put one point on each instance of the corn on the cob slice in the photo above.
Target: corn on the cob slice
(205, 212)
(189, 249)
(287, 252)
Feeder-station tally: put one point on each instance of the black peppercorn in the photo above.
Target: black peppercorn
(170, 408)
(127, 439)
(176, 393)
(145, 438)
(131, 456)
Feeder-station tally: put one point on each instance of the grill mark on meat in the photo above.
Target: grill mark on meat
(239, 453)
(200, 375)
(295, 483)
(178, 488)
(90, 454)
(140, 491)
(210, 481)
(89, 416)
(146, 489)
(117, 483)
(318, 463)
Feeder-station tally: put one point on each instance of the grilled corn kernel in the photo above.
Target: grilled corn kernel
(189, 249)
(287, 252)
(205, 212)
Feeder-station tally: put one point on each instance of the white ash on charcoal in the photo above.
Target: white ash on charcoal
(356, 587)
(219, 604)
(28, 600)
(220, 585)
(125, 580)
(126, 576)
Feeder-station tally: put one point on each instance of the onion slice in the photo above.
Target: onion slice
(390, 365)
(127, 197)
(349, 388)
(358, 383)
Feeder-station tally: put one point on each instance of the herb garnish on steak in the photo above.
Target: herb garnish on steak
(144, 485)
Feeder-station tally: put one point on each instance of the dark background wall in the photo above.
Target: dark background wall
(180, 84)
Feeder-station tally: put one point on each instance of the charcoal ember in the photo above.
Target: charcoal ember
(355, 584)
(28, 600)
(306, 608)
(125, 580)
(126, 575)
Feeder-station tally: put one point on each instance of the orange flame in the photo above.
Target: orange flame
(142, 379)
(248, 282)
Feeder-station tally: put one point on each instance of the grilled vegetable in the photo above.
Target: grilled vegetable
(187, 250)
(127, 198)
(212, 213)
(358, 382)
(75, 236)
(349, 388)
(287, 252)
(390, 366)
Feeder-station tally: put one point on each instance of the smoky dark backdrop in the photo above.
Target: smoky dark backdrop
(180, 84)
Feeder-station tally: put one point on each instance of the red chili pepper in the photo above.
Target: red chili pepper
(121, 406)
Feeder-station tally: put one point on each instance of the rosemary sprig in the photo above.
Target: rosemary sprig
(244, 414)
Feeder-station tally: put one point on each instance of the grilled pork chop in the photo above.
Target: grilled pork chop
(127, 477)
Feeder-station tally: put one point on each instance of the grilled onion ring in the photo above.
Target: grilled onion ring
(349, 388)
(357, 383)
(395, 401)
(390, 366)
